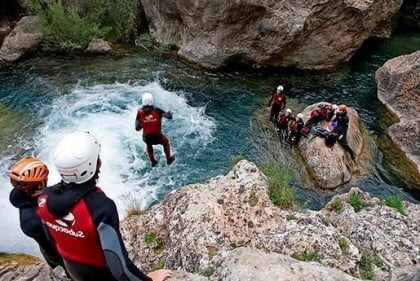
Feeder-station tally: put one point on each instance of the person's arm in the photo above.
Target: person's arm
(138, 126)
(167, 114)
(283, 103)
(270, 101)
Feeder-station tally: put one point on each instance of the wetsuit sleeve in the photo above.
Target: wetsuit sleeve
(138, 126)
(270, 101)
(283, 103)
(166, 114)
(107, 223)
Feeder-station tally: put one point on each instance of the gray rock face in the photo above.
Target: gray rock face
(250, 264)
(331, 167)
(398, 82)
(98, 47)
(315, 34)
(34, 272)
(199, 225)
(25, 38)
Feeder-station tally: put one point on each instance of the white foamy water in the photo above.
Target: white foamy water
(108, 112)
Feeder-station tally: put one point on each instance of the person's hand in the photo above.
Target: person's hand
(160, 274)
(268, 109)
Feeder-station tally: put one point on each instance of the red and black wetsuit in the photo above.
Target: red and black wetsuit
(277, 103)
(295, 132)
(149, 119)
(283, 125)
(314, 119)
(31, 225)
(84, 223)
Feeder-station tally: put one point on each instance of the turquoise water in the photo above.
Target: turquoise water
(43, 98)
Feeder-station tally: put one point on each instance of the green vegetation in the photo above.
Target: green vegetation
(159, 265)
(212, 251)
(306, 256)
(337, 205)
(234, 159)
(344, 246)
(396, 203)
(366, 266)
(326, 221)
(207, 272)
(355, 200)
(279, 181)
(19, 258)
(68, 26)
(151, 239)
(250, 224)
(253, 200)
(291, 217)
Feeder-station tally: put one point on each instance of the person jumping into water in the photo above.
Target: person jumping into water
(149, 118)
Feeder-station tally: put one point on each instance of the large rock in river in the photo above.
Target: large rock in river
(25, 38)
(315, 34)
(398, 82)
(331, 167)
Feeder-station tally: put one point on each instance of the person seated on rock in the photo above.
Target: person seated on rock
(149, 118)
(324, 112)
(83, 220)
(283, 124)
(330, 135)
(342, 126)
(296, 130)
(329, 113)
(277, 103)
(29, 177)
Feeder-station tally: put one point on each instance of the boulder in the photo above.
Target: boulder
(25, 38)
(38, 271)
(98, 47)
(198, 226)
(314, 34)
(250, 264)
(331, 167)
(398, 82)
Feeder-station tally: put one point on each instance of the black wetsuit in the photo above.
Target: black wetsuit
(31, 225)
(341, 130)
(84, 223)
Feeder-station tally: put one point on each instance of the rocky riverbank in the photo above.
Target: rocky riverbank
(228, 229)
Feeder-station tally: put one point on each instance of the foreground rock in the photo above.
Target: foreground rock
(25, 38)
(304, 34)
(197, 227)
(38, 271)
(331, 167)
(398, 82)
(98, 47)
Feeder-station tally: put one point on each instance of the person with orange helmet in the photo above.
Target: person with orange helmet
(341, 130)
(29, 177)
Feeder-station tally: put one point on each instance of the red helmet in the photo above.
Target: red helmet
(28, 174)
(342, 108)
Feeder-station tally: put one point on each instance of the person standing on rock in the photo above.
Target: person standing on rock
(341, 130)
(296, 130)
(149, 118)
(29, 177)
(283, 124)
(83, 220)
(277, 103)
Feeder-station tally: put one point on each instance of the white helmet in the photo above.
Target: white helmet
(334, 106)
(300, 115)
(147, 99)
(289, 110)
(280, 89)
(76, 157)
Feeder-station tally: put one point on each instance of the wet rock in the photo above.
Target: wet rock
(198, 226)
(25, 38)
(331, 167)
(5, 28)
(398, 82)
(98, 47)
(304, 34)
(250, 264)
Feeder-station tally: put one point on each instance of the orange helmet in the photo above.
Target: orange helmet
(28, 173)
(342, 108)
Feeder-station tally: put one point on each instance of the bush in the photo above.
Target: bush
(366, 266)
(66, 27)
(306, 256)
(396, 203)
(279, 181)
(355, 200)
(337, 205)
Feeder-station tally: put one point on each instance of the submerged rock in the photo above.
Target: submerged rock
(198, 226)
(331, 167)
(98, 47)
(398, 82)
(25, 38)
(304, 34)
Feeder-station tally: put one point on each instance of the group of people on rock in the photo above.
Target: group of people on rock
(291, 129)
(74, 223)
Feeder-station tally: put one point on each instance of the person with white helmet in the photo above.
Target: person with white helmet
(296, 130)
(149, 118)
(82, 220)
(283, 124)
(29, 177)
(277, 103)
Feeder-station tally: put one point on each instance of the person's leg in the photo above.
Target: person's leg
(344, 144)
(151, 154)
(167, 150)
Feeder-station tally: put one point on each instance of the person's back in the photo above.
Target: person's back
(29, 177)
(83, 221)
